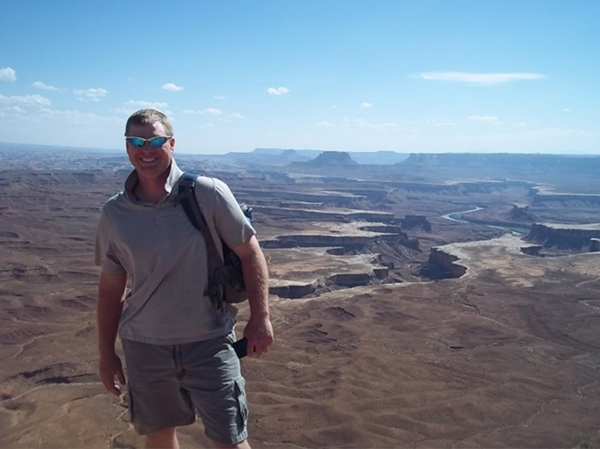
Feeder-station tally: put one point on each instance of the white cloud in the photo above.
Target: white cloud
(324, 124)
(565, 110)
(25, 100)
(378, 126)
(12, 111)
(40, 85)
(480, 78)
(147, 104)
(78, 117)
(220, 97)
(8, 74)
(16, 110)
(171, 87)
(521, 125)
(207, 111)
(333, 106)
(492, 120)
(133, 105)
(238, 116)
(93, 94)
(366, 105)
(277, 90)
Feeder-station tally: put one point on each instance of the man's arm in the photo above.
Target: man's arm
(259, 330)
(111, 293)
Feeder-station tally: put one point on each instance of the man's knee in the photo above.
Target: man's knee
(165, 438)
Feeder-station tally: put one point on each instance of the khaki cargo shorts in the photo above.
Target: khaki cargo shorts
(168, 385)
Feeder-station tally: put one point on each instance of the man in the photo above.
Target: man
(177, 343)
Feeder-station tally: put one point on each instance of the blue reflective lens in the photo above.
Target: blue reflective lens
(135, 141)
(155, 142)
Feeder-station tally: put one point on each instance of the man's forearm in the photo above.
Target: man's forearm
(256, 278)
(109, 309)
(109, 314)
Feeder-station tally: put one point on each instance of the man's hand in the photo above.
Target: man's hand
(259, 330)
(110, 366)
(259, 333)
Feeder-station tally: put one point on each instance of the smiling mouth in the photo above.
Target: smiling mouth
(148, 160)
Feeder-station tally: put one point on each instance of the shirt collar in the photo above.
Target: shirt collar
(174, 174)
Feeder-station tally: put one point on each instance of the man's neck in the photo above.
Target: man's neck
(150, 189)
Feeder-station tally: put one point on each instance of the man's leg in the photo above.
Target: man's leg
(216, 386)
(163, 439)
(157, 403)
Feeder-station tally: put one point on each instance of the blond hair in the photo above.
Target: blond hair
(148, 117)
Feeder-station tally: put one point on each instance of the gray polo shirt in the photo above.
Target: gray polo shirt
(165, 259)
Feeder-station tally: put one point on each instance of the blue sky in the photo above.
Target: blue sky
(409, 76)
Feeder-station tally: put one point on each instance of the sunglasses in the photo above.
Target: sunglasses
(139, 142)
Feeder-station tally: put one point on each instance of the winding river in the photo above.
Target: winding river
(458, 217)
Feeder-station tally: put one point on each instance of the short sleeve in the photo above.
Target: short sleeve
(104, 255)
(231, 223)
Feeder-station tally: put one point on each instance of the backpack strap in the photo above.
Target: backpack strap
(186, 194)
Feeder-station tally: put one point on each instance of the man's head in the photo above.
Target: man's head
(148, 117)
(150, 143)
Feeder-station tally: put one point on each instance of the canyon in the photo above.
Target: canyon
(430, 300)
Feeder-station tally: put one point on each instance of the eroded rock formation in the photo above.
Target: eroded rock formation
(443, 265)
(522, 213)
(573, 237)
(415, 222)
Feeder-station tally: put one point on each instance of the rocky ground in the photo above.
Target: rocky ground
(506, 355)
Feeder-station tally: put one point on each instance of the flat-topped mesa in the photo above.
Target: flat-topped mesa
(293, 290)
(317, 197)
(354, 235)
(333, 158)
(346, 241)
(330, 215)
(415, 222)
(564, 236)
(551, 199)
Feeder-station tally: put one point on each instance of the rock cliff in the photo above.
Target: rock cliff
(443, 265)
(547, 199)
(415, 222)
(312, 214)
(571, 237)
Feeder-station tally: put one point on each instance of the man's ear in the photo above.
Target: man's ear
(172, 144)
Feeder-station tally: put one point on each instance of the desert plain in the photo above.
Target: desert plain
(428, 301)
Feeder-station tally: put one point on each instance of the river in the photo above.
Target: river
(453, 216)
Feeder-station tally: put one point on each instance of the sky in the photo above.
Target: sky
(420, 76)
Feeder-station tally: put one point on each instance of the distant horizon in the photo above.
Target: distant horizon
(430, 76)
(257, 149)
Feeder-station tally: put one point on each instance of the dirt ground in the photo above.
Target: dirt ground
(506, 356)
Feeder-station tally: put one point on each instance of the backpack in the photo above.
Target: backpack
(225, 277)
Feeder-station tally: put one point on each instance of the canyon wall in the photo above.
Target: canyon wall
(573, 237)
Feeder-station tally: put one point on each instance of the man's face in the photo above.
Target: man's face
(150, 162)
